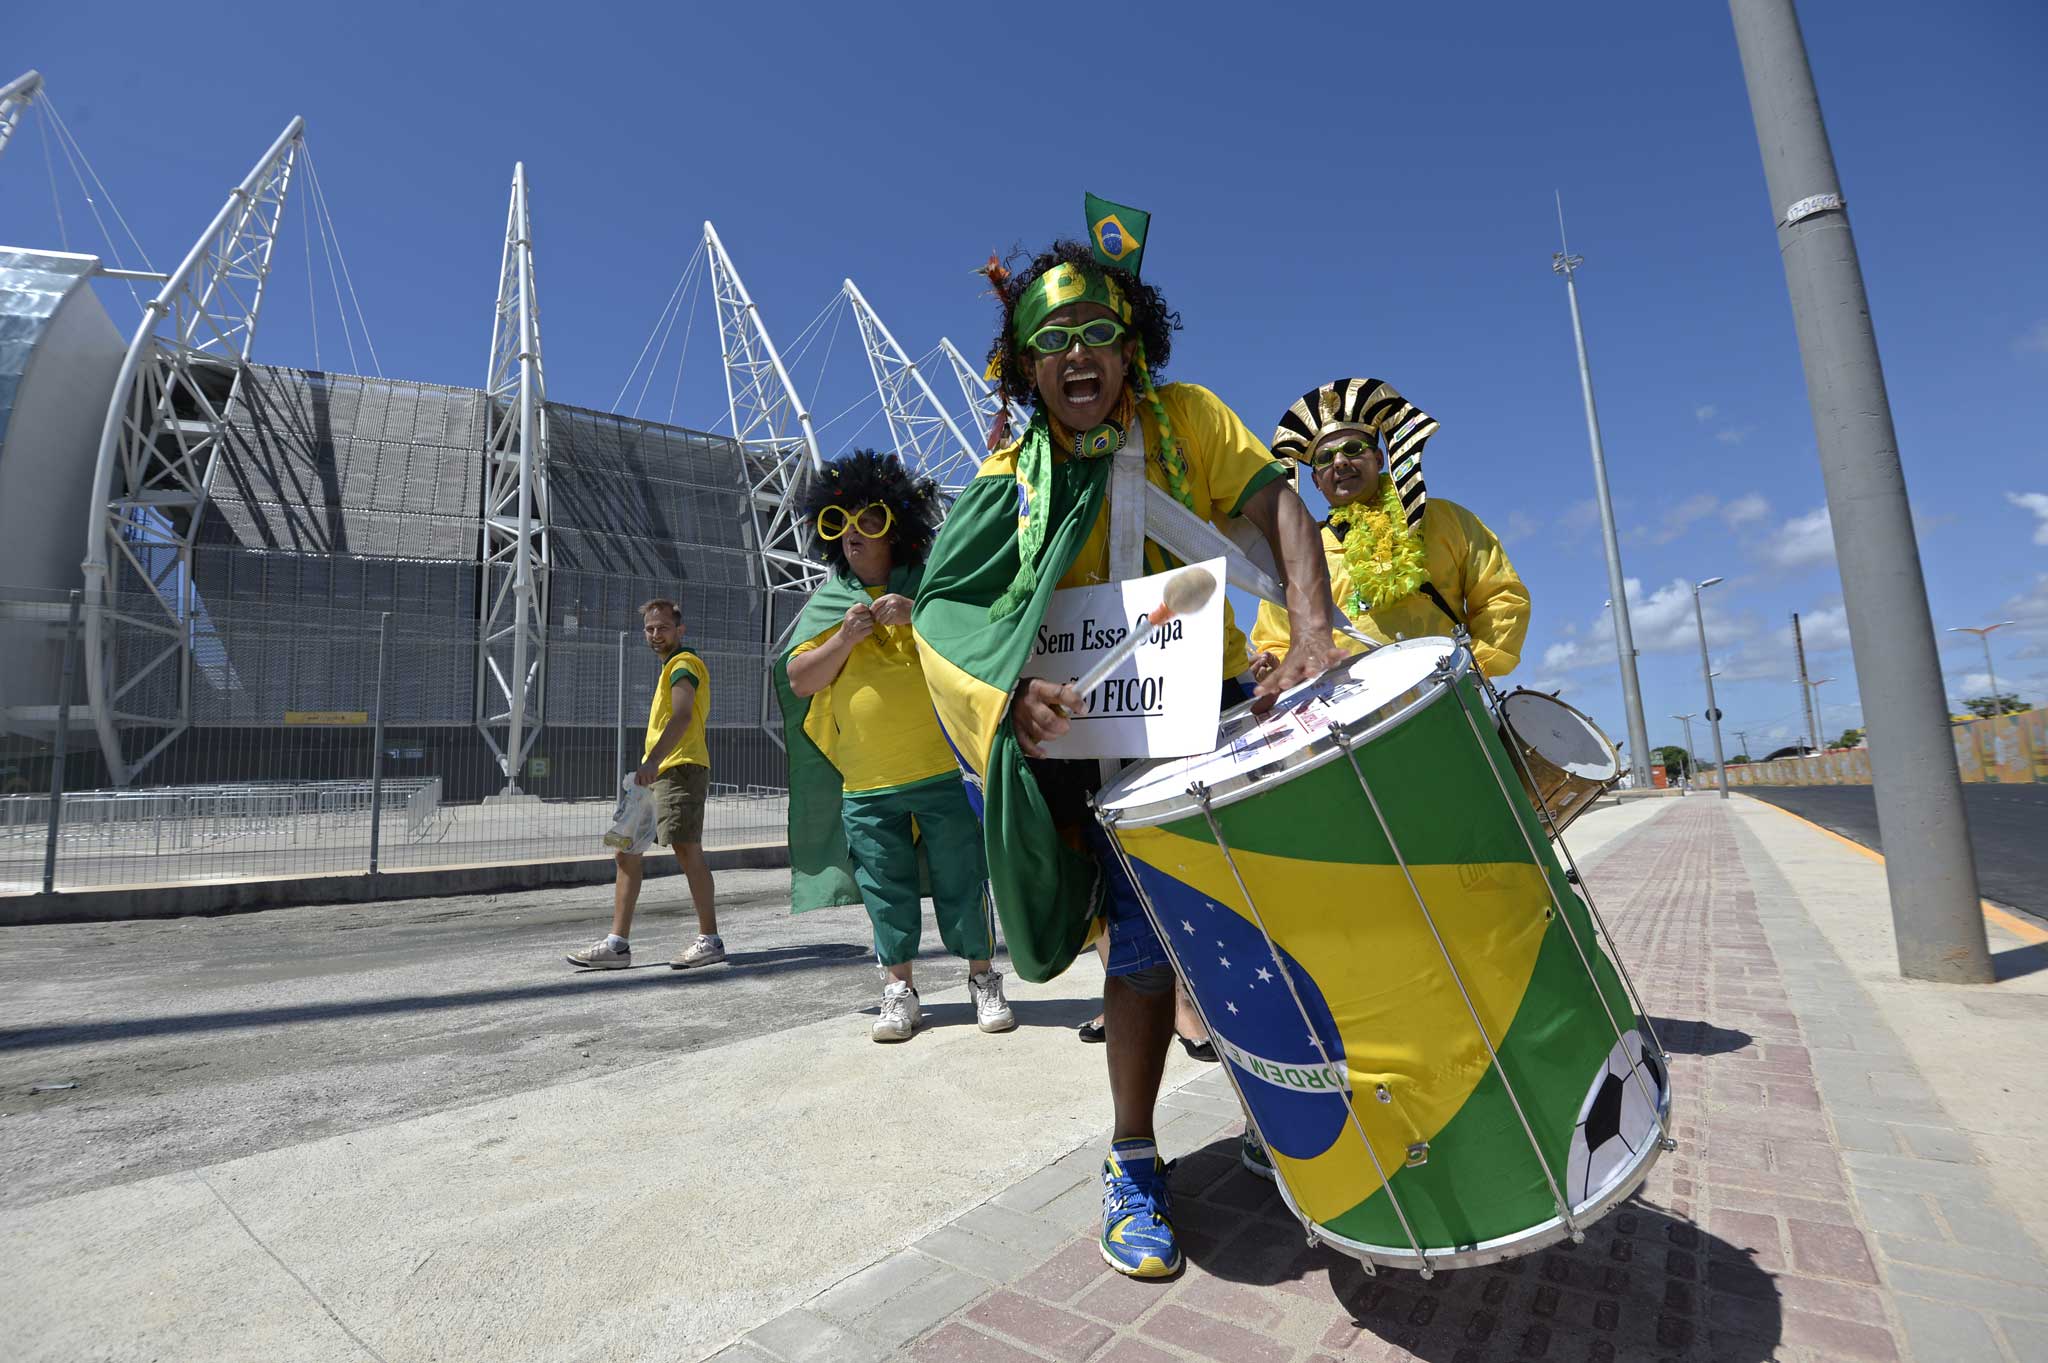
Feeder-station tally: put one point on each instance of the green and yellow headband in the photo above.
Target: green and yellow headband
(1055, 289)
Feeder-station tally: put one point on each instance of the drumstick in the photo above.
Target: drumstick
(1188, 591)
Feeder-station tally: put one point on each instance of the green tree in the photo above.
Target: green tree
(1737, 760)
(2004, 703)
(1674, 760)
(1850, 738)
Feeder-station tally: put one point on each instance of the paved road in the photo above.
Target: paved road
(196, 1040)
(2008, 828)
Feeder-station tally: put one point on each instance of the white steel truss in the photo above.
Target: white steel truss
(778, 450)
(511, 672)
(14, 101)
(161, 444)
(925, 436)
(983, 403)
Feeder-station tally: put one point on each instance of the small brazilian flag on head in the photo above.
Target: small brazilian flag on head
(1118, 233)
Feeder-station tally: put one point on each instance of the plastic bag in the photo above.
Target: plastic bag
(632, 827)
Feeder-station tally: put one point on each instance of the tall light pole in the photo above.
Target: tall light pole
(1743, 739)
(1820, 726)
(1564, 262)
(1692, 763)
(1937, 918)
(1983, 633)
(1707, 671)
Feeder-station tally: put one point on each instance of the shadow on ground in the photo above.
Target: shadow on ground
(1646, 1284)
(775, 960)
(2014, 962)
(1687, 1036)
(1067, 1013)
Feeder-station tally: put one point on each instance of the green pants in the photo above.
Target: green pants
(878, 833)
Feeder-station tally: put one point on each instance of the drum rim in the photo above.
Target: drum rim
(1584, 718)
(1307, 758)
(1528, 1241)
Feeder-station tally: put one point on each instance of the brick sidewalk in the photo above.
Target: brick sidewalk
(1837, 1219)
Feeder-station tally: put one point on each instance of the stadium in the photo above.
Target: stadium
(262, 621)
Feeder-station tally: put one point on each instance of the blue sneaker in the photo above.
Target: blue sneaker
(1137, 1239)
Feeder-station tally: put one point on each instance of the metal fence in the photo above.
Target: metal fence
(382, 767)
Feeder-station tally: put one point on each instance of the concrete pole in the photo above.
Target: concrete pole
(1936, 913)
(1692, 763)
(60, 746)
(1564, 262)
(377, 741)
(1707, 673)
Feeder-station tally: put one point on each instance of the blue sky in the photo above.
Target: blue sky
(1336, 190)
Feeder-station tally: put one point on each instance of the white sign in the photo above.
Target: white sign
(1164, 701)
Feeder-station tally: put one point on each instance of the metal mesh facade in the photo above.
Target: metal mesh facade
(342, 497)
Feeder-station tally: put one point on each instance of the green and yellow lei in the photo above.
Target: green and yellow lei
(1382, 554)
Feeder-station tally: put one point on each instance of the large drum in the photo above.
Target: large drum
(1410, 997)
(1563, 760)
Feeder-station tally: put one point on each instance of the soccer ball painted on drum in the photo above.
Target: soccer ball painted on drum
(1617, 1120)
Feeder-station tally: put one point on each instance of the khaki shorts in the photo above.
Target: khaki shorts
(680, 794)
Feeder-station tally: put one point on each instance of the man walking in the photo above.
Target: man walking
(677, 765)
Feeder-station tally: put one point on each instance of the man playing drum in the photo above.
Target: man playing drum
(1402, 564)
(1081, 342)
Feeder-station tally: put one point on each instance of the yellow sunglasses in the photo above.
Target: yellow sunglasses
(873, 520)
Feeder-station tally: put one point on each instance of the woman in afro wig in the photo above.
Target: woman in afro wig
(869, 770)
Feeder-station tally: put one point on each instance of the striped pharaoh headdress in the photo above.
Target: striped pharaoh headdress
(1369, 405)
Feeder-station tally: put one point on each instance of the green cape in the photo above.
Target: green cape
(1046, 892)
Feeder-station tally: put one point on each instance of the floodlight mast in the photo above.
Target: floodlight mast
(14, 101)
(926, 437)
(983, 402)
(515, 552)
(778, 452)
(161, 445)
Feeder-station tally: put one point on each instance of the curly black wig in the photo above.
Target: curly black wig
(861, 479)
(1151, 320)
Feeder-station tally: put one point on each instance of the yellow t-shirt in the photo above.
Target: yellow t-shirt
(682, 668)
(887, 734)
(1226, 465)
(1469, 569)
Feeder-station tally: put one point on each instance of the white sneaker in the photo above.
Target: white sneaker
(900, 1013)
(706, 950)
(991, 1011)
(600, 956)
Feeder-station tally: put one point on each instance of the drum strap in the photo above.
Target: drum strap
(1429, 590)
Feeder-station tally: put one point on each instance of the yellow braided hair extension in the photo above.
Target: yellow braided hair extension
(1171, 457)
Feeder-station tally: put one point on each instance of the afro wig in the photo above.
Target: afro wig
(861, 479)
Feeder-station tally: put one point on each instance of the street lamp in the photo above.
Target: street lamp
(1983, 633)
(1707, 670)
(1691, 762)
(1819, 723)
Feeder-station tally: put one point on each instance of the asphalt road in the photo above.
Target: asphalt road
(195, 1040)
(2008, 830)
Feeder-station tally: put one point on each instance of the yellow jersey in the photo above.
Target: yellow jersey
(682, 668)
(887, 735)
(1227, 464)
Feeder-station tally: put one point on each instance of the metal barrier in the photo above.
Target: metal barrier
(249, 791)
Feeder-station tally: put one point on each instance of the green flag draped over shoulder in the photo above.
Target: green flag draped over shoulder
(1046, 891)
(820, 867)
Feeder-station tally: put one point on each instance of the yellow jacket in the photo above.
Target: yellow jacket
(1468, 568)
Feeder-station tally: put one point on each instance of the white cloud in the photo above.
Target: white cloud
(1802, 541)
(2036, 502)
(1662, 622)
(1521, 526)
(1745, 510)
(1734, 435)
(1579, 518)
(1704, 413)
(1824, 631)
(1680, 518)
(2034, 341)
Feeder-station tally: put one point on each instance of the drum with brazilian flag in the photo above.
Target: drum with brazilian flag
(1363, 903)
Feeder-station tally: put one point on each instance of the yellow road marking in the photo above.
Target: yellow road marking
(2012, 923)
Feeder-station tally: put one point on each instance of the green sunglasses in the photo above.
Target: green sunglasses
(1053, 340)
(1350, 449)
